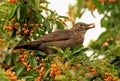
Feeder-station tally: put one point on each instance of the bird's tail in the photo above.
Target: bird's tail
(30, 46)
(25, 46)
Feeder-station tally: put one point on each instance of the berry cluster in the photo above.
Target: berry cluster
(22, 29)
(12, 76)
(108, 77)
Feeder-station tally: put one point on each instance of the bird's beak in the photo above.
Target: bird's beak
(89, 26)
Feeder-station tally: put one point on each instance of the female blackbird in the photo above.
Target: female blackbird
(62, 38)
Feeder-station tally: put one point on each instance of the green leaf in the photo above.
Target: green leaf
(42, 7)
(46, 73)
(77, 49)
(3, 33)
(3, 76)
(63, 17)
(29, 78)
(67, 51)
(8, 59)
(59, 25)
(47, 26)
(19, 69)
(16, 58)
(61, 78)
(13, 12)
(33, 61)
(56, 48)
(18, 13)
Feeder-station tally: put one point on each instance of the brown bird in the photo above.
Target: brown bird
(62, 38)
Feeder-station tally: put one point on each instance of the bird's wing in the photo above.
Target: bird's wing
(56, 36)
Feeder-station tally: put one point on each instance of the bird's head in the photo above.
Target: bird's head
(83, 26)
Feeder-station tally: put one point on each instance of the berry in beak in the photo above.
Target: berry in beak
(89, 26)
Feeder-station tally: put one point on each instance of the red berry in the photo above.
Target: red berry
(108, 40)
(25, 25)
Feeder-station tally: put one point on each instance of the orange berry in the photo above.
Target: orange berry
(9, 1)
(53, 65)
(17, 32)
(26, 31)
(41, 74)
(41, 64)
(108, 40)
(16, 23)
(0, 40)
(93, 7)
(36, 68)
(38, 79)
(15, 26)
(54, 69)
(51, 75)
(25, 56)
(105, 44)
(24, 63)
(42, 68)
(21, 56)
(37, 58)
(32, 31)
(28, 69)
(25, 25)
(8, 72)
(58, 72)
(93, 71)
(23, 29)
(109, 78)
(58, 57)
(78, 65)
(66, 65)
(42, 60)
(115, 78)
(29, 66)
(89, 3)
(32, 53)
(13, 78)
(13, 73)
(51, 72)
(37, 24)
(6, 27)
(25, 52)
(13, 19)
(14, 1)
(10, 27)
(111, 1)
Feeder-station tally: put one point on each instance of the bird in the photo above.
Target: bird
(61, 38)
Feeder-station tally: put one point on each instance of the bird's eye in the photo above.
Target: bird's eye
(81, 24)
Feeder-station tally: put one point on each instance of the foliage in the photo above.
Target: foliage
(3, 75)
(22, 21)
